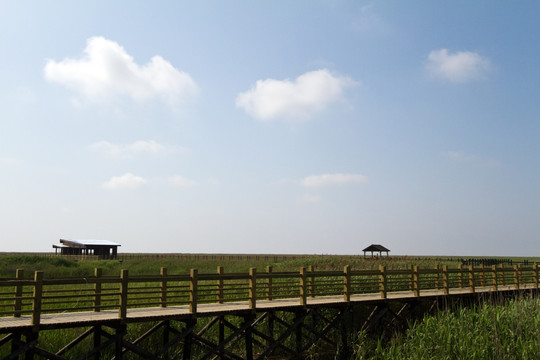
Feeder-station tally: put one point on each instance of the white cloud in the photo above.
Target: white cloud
(128, 150)
(309, 93)
(132, 182)
(458, 67)
(333, 179)
(106, 69)
(126, 181)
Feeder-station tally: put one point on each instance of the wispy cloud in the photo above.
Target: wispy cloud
(460, 156)
(129, 150)
(309, 93)
(129, 181)
(369, 22)
(458, 67)
(126, 181)
(333, 179)
(106, 69)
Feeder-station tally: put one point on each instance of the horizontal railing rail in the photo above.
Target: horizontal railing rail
(33, 298)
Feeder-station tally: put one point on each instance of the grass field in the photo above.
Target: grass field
(147, 264)
(508, 330)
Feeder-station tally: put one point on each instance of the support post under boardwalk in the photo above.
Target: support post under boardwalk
(298, 332)
(188, 341)
(249, 337)
(345, 327)
(166, 337)
(97, 341)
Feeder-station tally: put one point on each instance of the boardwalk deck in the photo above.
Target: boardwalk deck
(55, 320)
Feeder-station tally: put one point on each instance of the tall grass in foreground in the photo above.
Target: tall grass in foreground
(488, 331)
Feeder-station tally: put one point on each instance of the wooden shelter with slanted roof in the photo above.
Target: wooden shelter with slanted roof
(103, 249)
(375, 248)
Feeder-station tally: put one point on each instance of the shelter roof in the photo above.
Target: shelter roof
(85, 243)
(375, 247)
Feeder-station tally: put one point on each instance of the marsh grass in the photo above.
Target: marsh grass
(496, 331)
(503, 330)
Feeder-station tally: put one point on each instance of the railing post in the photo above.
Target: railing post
(416, 280)
(220, 289)
(97, 290)
(17, 306)
(437, 275)
(122, 311)
(303, 287)
(411, 277)
(535, 275)
(252, 288)
(516, 277)
(193, 278)
(502, 274)
(460, 276)
(269, 294)
(311, 270)
(36, 303)
(495, 277)
(520, 274)
(347, 283)
(446, 286)
(163, 287)
(382, 281)
(471, 278)
(482, 276)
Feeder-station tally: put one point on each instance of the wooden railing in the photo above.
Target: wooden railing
(41, 295)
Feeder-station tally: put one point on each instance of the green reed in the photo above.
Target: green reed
(509, 330)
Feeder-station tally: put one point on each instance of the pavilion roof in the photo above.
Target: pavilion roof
(375, 247)
(87, 243)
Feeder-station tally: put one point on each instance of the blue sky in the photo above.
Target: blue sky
(315, 127)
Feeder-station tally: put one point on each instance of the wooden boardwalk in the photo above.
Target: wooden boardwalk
(82, 318)
(294, 307)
